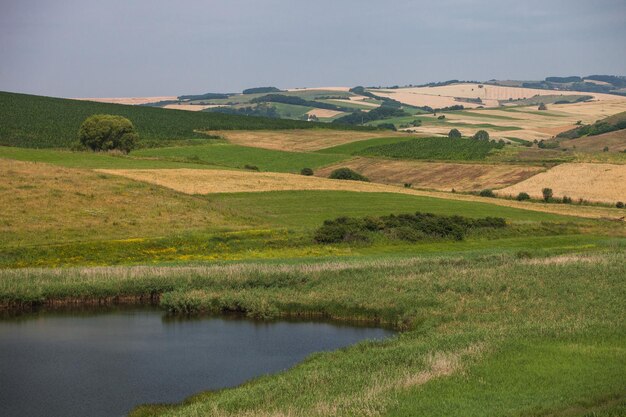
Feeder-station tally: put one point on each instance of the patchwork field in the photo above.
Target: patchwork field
(205, 182)
(490, 95)
(594, 182)
(438, 176)
(529, 123)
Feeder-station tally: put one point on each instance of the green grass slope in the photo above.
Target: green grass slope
(46, 122)
(239, 156)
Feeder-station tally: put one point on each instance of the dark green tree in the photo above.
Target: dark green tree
(105, 132)
(481, 135)
(547, 194)
(454, 133)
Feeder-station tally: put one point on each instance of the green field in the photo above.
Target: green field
(238, 156)
(446, 149)
(94, 160)
(353, 148)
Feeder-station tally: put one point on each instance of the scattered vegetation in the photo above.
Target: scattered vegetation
(522, 196)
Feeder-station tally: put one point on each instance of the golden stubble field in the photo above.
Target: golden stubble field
(297, 140)
(437, 175)
(43, 203)
(593, 182)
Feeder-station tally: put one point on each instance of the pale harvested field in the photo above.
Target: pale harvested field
(303, 140)
(489, 94)
(357, 99)
(320, 88)
(436, 175)
(190, 107)
(593, 182)
(198, 181)
(130, 100)
(323, 112)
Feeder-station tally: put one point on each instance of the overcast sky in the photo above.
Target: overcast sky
(112, 48)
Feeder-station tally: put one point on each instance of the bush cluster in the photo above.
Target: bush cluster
(347, 174)
(410, 227)
(106, 132)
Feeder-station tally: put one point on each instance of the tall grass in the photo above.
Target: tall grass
(495, 335)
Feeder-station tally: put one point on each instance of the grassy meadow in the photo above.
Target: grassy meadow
(522, 320)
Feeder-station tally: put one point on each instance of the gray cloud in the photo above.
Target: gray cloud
(77, 48)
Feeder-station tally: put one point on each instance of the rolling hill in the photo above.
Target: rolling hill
(46, 122)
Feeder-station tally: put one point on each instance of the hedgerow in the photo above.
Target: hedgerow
(410, 227)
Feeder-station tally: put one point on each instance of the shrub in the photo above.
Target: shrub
(522, 196)
(487, 193)
(567, 200)
(443, 116)
(251, 167)
(105, 132)
(547, 194)
(410, 227)
(389, 126)
(347, 174)
(606, 149)
(619, 204)
(542, 106)
(454, 133)
(481, 135)
(306, 171)
(408, 185)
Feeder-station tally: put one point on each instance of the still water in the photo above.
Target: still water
(105, 363)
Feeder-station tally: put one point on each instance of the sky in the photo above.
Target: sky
(133, 48)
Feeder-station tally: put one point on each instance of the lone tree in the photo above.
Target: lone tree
(454, 134)
(547, 194)
(481, 135)
(105, 132)
(542, 107)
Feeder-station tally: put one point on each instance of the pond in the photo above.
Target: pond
(104, 363)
